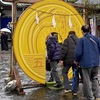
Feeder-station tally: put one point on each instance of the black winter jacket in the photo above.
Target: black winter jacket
(68, 49)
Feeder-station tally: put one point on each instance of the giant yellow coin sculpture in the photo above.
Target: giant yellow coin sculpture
(32, 29)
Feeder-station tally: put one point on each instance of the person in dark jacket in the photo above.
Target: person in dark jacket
(68, 48)
(54, 55)
(4, 41)
(87, 55)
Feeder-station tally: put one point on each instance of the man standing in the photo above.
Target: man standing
(4, 41)
(87, 56)
(68, 49)
(54, 55)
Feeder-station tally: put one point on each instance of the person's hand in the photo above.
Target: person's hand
(61, 63)
(76, 63)
(48, 60)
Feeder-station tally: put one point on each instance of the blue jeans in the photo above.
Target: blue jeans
(75, 82)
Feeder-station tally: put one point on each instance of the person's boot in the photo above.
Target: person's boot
(51, 78)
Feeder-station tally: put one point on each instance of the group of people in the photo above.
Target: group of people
(82, 54)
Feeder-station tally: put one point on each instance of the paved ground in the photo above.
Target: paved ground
(39, 93)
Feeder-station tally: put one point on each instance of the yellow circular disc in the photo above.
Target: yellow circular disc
(33, 27)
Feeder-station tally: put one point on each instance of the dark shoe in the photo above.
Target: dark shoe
(57, 85)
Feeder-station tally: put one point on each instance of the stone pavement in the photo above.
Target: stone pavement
(39, 93)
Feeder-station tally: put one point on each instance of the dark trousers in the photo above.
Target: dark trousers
(65, 75)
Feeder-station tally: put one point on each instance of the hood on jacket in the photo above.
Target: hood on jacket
(53, 39)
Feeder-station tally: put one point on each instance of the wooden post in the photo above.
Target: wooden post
(14, 20)
(14, 71)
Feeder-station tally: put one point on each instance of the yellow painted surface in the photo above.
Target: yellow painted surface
(29, 38)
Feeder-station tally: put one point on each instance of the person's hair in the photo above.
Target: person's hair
(71, 32)
(85, 28)
(54, 33)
